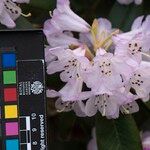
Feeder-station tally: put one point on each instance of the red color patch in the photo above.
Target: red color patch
(10, 94)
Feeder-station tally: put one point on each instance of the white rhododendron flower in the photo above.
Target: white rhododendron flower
(71, 64)
(10, 11)
(134, 43)
(102, 69)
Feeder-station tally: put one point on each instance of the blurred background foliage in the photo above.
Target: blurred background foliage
(66, 131)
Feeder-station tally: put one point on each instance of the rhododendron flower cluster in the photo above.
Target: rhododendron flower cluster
(101, 67)
(10, 11)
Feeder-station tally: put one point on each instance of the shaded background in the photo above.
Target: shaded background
(65, 130)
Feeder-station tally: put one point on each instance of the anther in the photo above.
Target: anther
(26, 15)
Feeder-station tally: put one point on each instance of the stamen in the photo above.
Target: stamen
(94, 31)
(61, 110)
(108, 46)
(50, 13)
(126, 111)
(26, 15)
(109, 37)
(145, 54)
(104, 106)
(88, 53)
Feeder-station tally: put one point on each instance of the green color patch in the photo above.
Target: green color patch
(9, 77)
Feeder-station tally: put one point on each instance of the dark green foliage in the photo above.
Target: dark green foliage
(119, 134)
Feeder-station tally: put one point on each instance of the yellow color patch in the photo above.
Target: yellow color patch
(11, 111)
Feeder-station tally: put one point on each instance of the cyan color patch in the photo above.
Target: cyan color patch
(9, 60)
(12, 144)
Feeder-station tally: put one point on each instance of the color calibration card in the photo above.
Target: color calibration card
(22, 91)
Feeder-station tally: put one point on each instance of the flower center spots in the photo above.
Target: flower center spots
(71, 63)
(134, 47)
(136, 80)
(97, 100)
(11, 7)
(105, 67)
(101, 100)
(72, 68)
(66, 106)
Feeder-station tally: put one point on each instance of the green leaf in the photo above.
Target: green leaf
(44, 4)
(23, 23)
(65, 124)
(119, 134)
(122, 16)
(148, 104)
(142, 115)
(73, 145)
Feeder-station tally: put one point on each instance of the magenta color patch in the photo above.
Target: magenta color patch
(11, 128)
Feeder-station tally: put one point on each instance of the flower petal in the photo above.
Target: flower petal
(137, 23)
(5, 19)
(79, 109)
(63, 106)
(21, 1)
(55, 66)
(52, 93)
(71, 90)
(90, 107)
(125, 1)
(64, 7)
(62, 40)
(68, 22)
(108, 107)
(104, 24)
(130, 108)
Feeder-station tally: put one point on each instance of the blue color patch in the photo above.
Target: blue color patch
(12, 144)
(9, 60)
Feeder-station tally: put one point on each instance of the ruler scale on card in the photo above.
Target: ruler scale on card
(30, 87)
(23, 104)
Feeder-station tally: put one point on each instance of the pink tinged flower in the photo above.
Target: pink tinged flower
(108, 105)
(144, 26)
(129, 108)
(138, 2)
(132, 44)
(129, 45)
(85, 38)
(56, 38)
(76, 106)
(49, 57)
(126, 2)
(62, 39)
(72, 89)
(140, 81)
(107, 74)
(70, 63)
(49, 29)
(146, 140)
(61, 106)
(21, 1)
(8, 13)
(65, 19)
(92, 145)
(102, 31)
